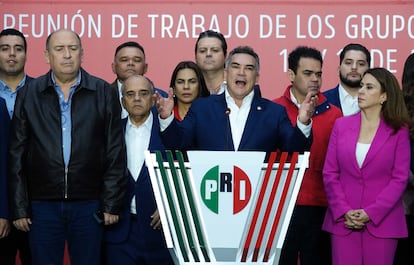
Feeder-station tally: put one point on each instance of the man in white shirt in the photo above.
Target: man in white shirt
(238, 119)
(354, 61)
(137, 238)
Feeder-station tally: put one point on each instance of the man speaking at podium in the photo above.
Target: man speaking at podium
(238, 119)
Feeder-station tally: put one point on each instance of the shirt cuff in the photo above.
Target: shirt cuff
(305, 129)
(164, 123)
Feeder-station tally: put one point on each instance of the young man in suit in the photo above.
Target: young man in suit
(354, 61)
(137, 238)
(4, 207)
(210, 55)
(238, 119)
(13, 50)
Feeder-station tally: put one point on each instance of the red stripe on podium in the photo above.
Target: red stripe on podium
(281, 205)
(269, 207)
(252, 226)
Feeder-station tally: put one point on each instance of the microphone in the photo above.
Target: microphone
(228, 130)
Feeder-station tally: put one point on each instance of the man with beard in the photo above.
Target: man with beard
(354, 60)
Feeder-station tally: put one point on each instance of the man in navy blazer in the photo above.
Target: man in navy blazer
(238, 119)
(354, 61)
(137, 238)
(12, 77)
(4, 136)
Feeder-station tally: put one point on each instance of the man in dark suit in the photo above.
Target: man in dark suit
(354, 61)
(13, 49)
(238, 119)
(4, 136)
(137, 238)
(129, 59)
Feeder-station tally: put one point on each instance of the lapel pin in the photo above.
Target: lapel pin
(259, 108)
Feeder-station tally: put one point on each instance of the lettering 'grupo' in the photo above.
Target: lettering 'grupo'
(379, 26)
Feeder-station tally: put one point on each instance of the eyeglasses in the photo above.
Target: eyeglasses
(141, 94)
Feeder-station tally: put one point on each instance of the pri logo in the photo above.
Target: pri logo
(216, 183)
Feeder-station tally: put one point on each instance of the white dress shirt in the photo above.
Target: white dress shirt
(349, 104)
(137, 141)
(238, 116)
(361, 152)
(124, 113)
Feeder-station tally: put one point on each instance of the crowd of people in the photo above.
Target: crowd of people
(72, 165)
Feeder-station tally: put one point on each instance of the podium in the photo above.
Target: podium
(225, 207)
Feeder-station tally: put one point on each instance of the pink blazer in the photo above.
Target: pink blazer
(376, 187)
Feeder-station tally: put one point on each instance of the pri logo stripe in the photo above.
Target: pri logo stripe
(282, 205)
(183, 209)
(194, 211)
(179, 232)
(269, 207)
(256, 213)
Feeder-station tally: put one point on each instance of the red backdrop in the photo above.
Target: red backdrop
(169, 29)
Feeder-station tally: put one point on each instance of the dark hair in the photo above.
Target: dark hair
(14, 32)
(303, 52)
(408, 88)
(51, 34)
(202, 87)
(212, 34)
(355, 47)
(246, 50)
(129, 44)
(393, 109)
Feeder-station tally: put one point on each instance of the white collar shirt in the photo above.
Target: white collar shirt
(349, 104)
(124, 113)
(137, 141)
(238, 116)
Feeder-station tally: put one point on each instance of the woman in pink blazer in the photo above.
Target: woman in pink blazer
(365, 174)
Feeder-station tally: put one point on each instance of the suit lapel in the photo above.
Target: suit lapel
(223, 121)
(352, 133)
(155, 142)
(256, 109)
(381, 137)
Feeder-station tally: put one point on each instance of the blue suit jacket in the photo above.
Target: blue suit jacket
(207, 127)
(332, 95)
(4, 141)
(4, 136)
(145, 201)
